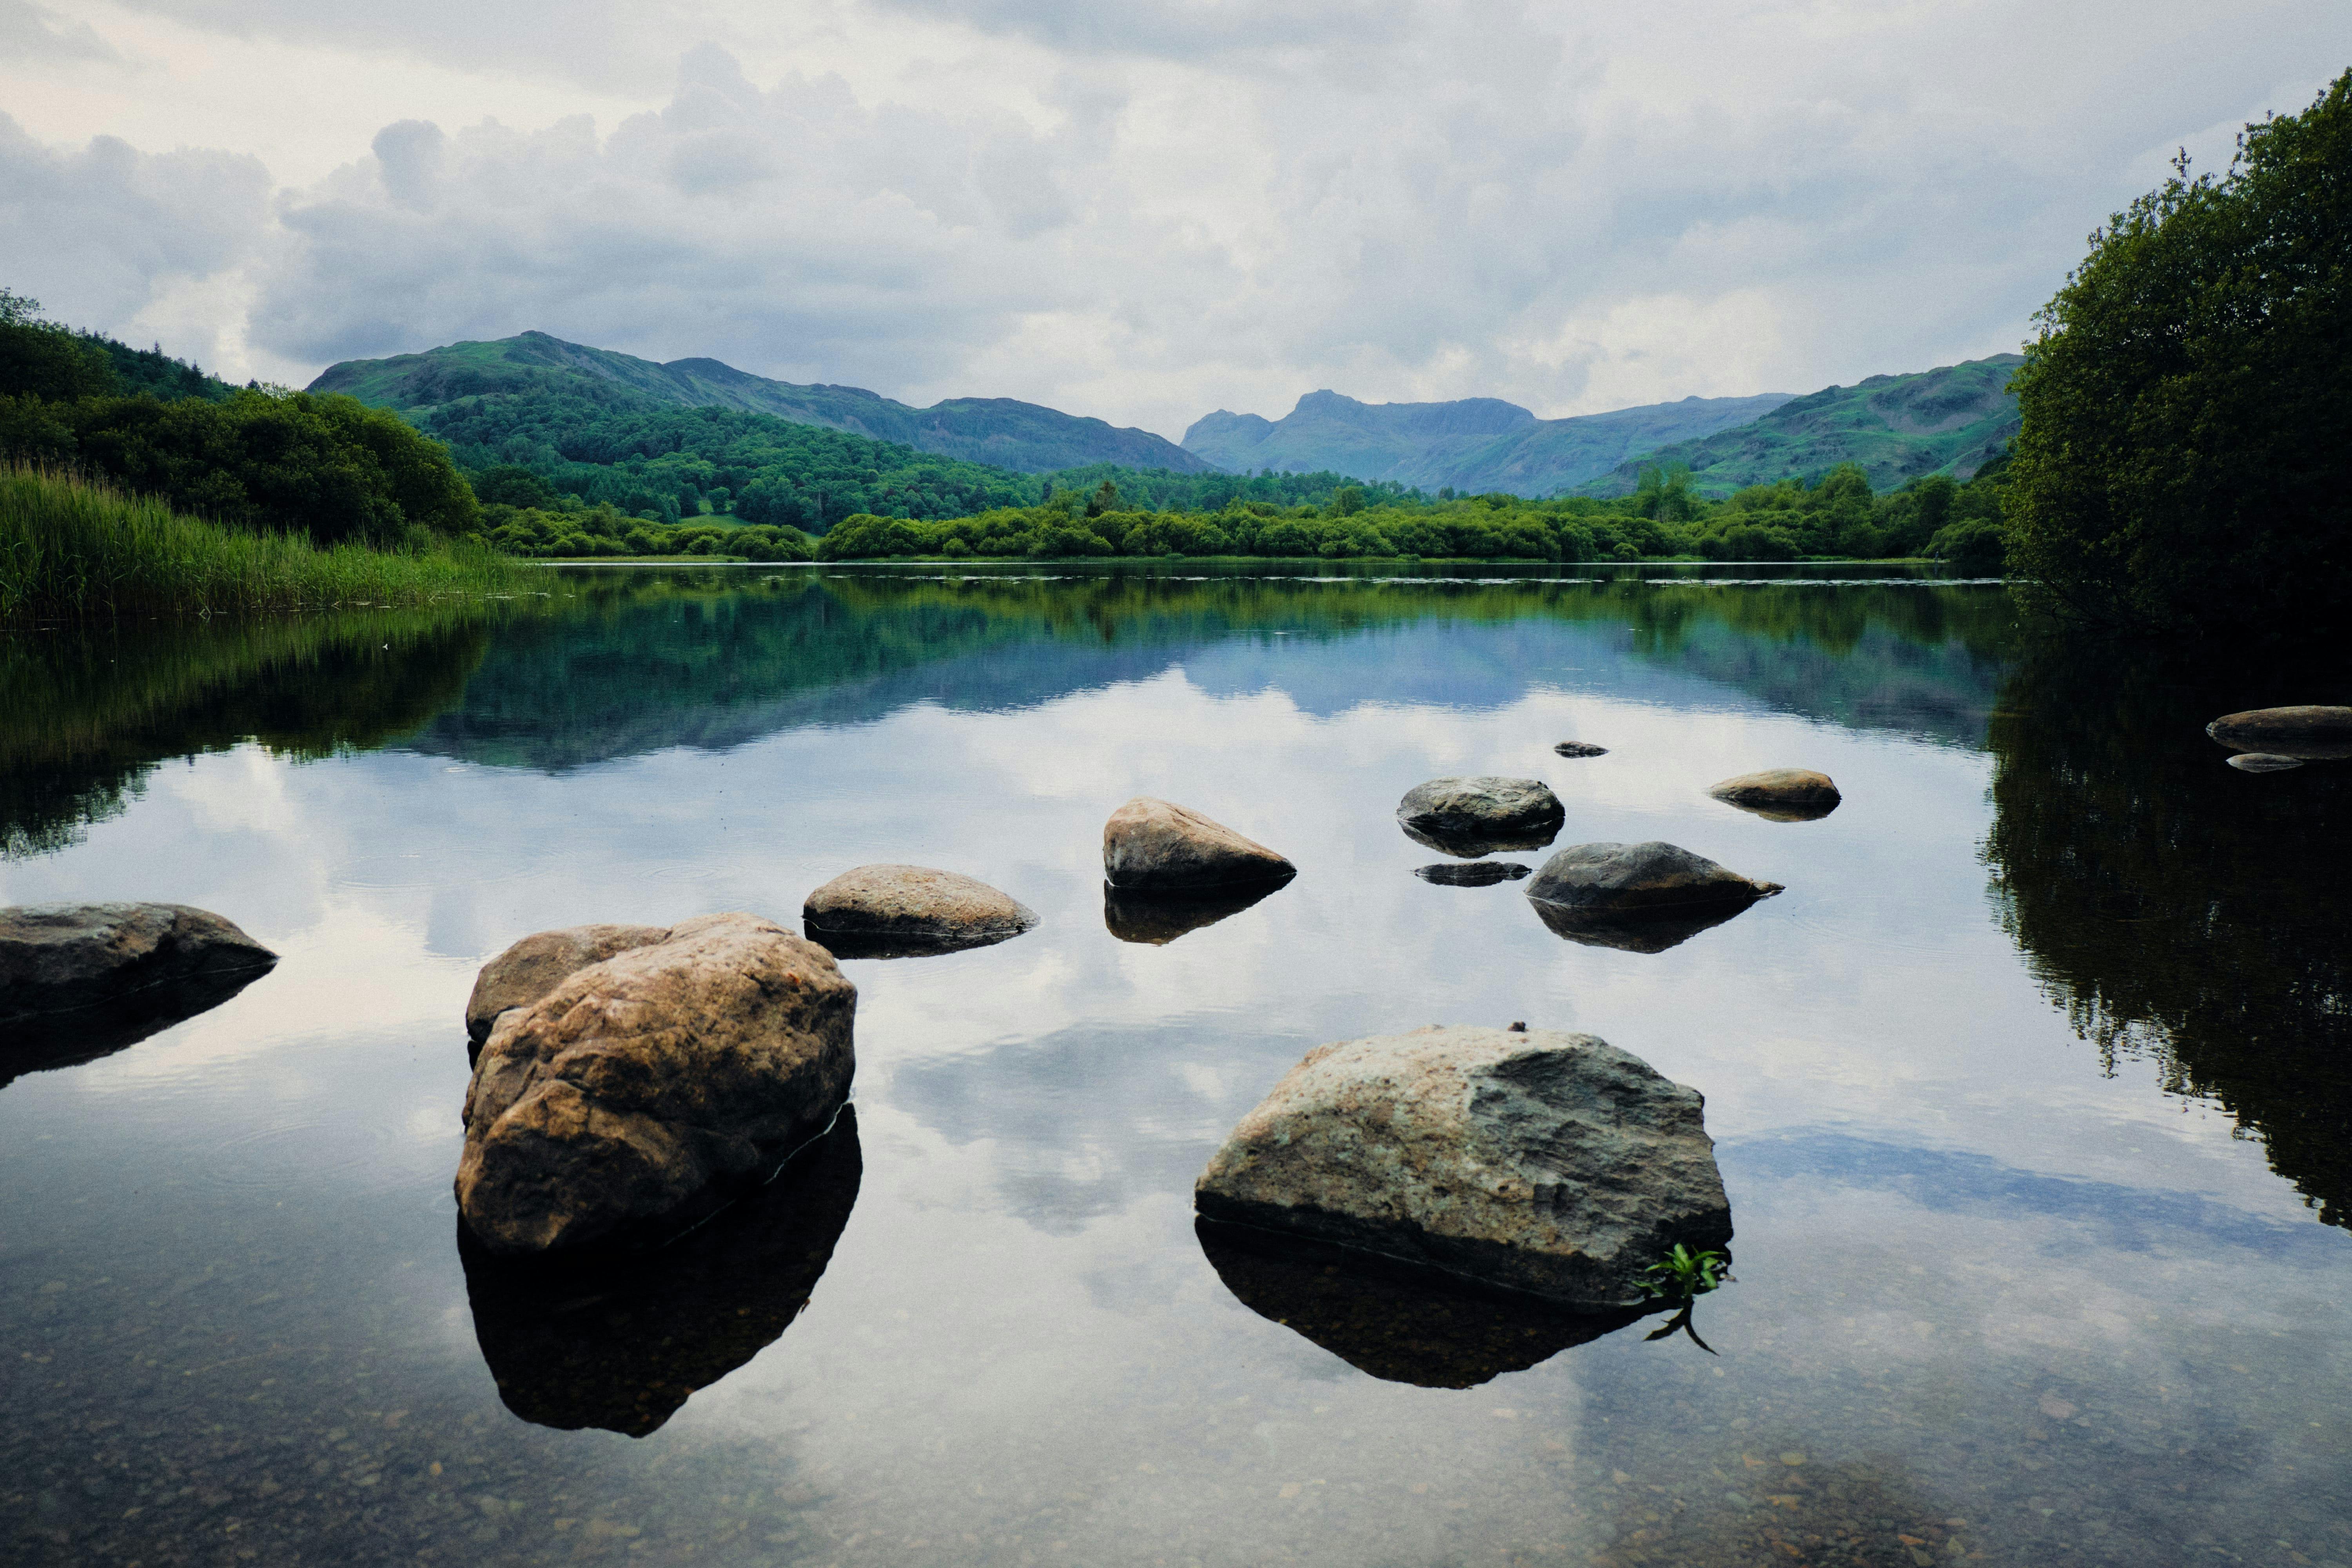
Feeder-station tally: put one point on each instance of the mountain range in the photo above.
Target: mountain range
(1473, 445)
(1952, 419)
(1000, 431)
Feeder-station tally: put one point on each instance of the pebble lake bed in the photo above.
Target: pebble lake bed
(2030, 1089)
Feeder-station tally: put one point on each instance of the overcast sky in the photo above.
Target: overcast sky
(1143, 210)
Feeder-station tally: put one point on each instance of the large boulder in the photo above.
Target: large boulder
(1545, 1163)
(1476, 816)
(1156, 846)
(540, 963)
(1784, 794)
(905, 912)
(647, 1089)
(608, 1343)
(2311, 733)
(1623, 879)
(79, 982)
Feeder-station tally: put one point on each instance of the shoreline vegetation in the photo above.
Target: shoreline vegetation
(73, 549)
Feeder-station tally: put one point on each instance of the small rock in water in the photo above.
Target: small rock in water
(1476, 874)
(1783, 794)
(1627, 878)
(904, 911)
(1476, 816)
(647, 1089)
(1156, 846)
(540, 963)
(79, 982)
(2312, 732)
(1581, 749)
(2264, 763)
(1541, 1162)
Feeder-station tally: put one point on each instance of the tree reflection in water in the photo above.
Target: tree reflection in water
(2180, 909)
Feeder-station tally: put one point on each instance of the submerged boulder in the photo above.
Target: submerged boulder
(1784, 794)
(1476, 816)
(1534, 1160)
(55, 958)
(1156, 846)
(616, 1345)
(906, 911)
(540, 963)
(2312, 732)
(1581, 749)
(2264, 763)
(1399, 1323)
(1155, 920)
(1476, 874)
(1637, 879)
(645, 1090)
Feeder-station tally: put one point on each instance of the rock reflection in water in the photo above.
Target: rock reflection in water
(622, 1345)
(1477, 874)
(1645, 932)
(1399, 1323)
(48, 1040)
(1473, 847)
(1158, 918)
(887, 944)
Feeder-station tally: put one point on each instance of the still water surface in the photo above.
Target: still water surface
(2031, 1094)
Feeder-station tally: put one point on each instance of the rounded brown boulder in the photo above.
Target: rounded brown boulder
(1156, 846)
(1784, 794)
(895, 912)
(2310, 732)
(540, 963)
(645, 1090)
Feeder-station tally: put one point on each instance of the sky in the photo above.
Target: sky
(1141, 212)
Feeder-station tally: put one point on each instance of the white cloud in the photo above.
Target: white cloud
(1146, 212)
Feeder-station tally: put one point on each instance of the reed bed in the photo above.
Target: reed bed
(75, 550)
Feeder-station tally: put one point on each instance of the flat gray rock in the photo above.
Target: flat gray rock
(1628, 878)
(2264, 763)
(2312, 732)
(1156, 846)
(540, 963)
(647, 1089)
(1475, 874)
(904, 911)
(1784, 794)
(1546, 1163)
(1581, 749)
(55, 958)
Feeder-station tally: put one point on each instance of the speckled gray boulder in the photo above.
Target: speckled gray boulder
(540, 963)
(1548, 1163)
(2312, 732)
(1473, 816)
(55, 957)
(1627, 879)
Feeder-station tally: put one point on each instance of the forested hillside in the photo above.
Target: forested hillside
(998, 431)
(1472, 445)
(1896, 428)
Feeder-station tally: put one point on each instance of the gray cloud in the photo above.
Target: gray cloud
(97, 234)
(34, 32)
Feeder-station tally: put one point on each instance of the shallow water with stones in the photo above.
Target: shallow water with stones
(2029, 1093)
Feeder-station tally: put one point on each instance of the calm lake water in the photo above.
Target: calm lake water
(2031, 1094)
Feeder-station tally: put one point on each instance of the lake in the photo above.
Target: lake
(2033, 1094)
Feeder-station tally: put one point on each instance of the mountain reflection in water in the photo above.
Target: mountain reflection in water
(621, 1344)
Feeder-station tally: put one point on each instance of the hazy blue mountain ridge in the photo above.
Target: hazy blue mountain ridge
(1475, 445)
(1000, 431)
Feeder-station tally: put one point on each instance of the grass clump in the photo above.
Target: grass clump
(76, 550)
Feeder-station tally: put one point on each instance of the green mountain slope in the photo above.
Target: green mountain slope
(998, 431)
(1476, 444)
(1951, 419)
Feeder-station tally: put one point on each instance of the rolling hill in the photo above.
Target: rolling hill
(1476, 445)
(997, 431)
(1952, 419)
